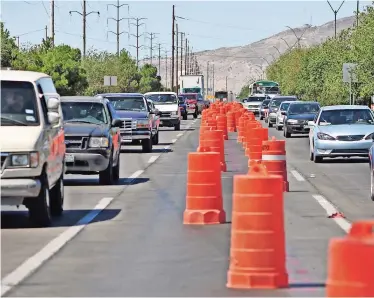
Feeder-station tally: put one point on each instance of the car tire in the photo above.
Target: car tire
(177, 126)
(196, 114)
(261, 118)
(147, 145)
(311, 154)
(56, 197)
(286, 133)
(185, 116)
(279, 127)
(270, 124)
(116, 168)
(156, 138)
(316, 158)
(106, 176)
(39, 211)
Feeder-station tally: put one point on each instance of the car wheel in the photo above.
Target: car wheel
(316, 158)
(261, 118)
(279, 127)
(177, 126)
(286, 133)
(185, 116)
(155, 138)
(106, 176)
(39, 211)
(270, 124)
(311, 155)
(56, 197)
(116, 168)
(195, 114)
(147, 145)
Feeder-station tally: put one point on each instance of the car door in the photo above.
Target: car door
(113, 131)
(312, 129)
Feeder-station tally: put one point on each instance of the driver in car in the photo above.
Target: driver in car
(13, 103)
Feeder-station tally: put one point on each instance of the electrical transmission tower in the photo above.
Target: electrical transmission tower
(137, 24)
(151, 38)
(117, 20)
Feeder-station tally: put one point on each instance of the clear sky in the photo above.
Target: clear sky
(210, 24)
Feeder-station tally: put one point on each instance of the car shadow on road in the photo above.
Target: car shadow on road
(307, 285)
(13, 220)
(164, 144)
(154, 150)
(345, 160)
(188, 129)
(299, 137)
(95, 182)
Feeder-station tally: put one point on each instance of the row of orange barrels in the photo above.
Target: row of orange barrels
(257, 248)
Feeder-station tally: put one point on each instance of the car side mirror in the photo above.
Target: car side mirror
(53, 118)
(311, 123)
(117, 123)
(372, 136)
(283, 113)
(53, 103)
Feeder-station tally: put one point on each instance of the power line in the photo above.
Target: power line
(117, 20)
(137, 36)
(215, 24)
(84, 14)
(151, 38)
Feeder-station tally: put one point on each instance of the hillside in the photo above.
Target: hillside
(240, 64)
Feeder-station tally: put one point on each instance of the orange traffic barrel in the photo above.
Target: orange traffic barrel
(274, 158)
(204, 203)
(257, 251)
(350, 267)
(254, 151)
(214, 140)
(222, 125)
(231, 127)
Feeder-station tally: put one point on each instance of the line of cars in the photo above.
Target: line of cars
(333, 131)
(44, 136)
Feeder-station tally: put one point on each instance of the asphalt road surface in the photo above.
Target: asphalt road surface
(129, 240)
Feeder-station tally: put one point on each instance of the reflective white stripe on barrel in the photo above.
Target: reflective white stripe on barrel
(273, 157)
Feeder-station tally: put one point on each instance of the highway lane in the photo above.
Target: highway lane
(144, 249)
(345, 182)
(82, 193)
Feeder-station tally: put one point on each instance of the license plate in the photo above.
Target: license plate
(126, 137)
(69, 158)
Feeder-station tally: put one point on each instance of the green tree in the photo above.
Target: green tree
(244, 92)
(8, 47)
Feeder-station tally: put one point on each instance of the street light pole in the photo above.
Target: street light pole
(335, 11)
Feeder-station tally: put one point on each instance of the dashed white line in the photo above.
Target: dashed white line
(173, 140)
(179, 135)
(136, 174)
(152, 159)
(330, 209)
(38, 259)
(297, 176)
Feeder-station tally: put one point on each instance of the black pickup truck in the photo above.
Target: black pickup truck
(92, 137)
(138, 119)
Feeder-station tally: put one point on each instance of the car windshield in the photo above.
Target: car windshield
(304, 108)
(254, 98)
(84, 112)
(346, 116)
(277, 102)
(189, 96)
(181, 99)
(191, 90)
(125, 103)
(284, 106)
(18, 104)
(160, 99)
(265, 103)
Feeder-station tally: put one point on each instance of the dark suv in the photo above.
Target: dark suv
(137, 116)
(92, 137)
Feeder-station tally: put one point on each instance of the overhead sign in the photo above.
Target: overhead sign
(349, 73)
(110, 81)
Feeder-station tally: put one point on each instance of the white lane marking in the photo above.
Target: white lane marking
(173, 140)
(38, 259)
(297, 176)
(166, 147)
(179, 135)
(152, 159)
(330, 209)
(136, 174)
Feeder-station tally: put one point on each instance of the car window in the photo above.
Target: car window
(346, 116)
(189, 96)
(254, 98)
(131, 103)
(304, 108)
(86, 112)
(19, 104)
(162, 98)
(284, 106)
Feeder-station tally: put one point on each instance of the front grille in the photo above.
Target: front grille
(350, 151)
(252, 107)
(128, 124)
(76, 142)
(166, 114)
(350, 138)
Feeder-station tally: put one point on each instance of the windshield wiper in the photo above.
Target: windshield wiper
(20, 123)
(81, 121)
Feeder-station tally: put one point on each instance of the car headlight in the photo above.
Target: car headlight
(174, 113)
(370, 136)
(324, 136)
(25, 160)
(99, 142)
(144, 123)
(292, 121)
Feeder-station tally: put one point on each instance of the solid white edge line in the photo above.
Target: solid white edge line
(173, 140)
(344, 224)
(38, 259)
(152, 159)
(297, 176)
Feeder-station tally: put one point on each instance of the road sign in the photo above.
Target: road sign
(349, 73)
(110, 81)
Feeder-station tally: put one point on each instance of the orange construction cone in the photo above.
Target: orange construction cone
(350, 270)
(204, 190)
(214, 140)
(258, 252)
(274, 158)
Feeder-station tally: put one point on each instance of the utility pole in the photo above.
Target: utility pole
(53, 22)
(117, 20)
(166, 69)
(172, 49)
(46, 33)
(84, 14)
(182, 34)
(151, 38)
(137, 47)
(186, 57)
(357, 12)
(213, 81)
(335, 12)
(226, 84)
(207, 78)
(159, 59)
(176, 61)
